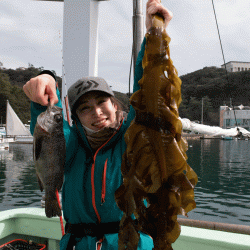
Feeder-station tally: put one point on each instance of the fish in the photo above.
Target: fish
(158, 184)
(49, 153)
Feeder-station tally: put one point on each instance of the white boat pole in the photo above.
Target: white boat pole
(80, 40)
(138, 29)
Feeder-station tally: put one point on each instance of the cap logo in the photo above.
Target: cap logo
(90, 84)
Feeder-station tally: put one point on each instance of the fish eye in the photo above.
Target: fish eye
(57, 118)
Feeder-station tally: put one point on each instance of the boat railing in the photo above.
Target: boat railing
(225, 227)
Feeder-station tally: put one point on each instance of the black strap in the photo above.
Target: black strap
(150, 121)
(157, 123)
(90, 229)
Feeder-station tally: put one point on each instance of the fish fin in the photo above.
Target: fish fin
(39, 182)
(52, 208)
(37, 147)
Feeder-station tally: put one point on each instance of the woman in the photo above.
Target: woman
(95, 145)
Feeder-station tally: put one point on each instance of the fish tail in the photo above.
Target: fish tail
(52, 208)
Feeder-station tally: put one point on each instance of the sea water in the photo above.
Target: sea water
(221, 194)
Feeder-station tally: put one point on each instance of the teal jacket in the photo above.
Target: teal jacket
(91, 178)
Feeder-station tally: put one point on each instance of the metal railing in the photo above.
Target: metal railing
(233, 228)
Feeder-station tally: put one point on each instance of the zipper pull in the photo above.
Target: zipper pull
(103, 199)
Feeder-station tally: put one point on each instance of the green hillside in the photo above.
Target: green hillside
(11, 88)
(209, 83)
(216, 88)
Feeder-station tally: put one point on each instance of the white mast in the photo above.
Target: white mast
(138, 28)
(80, 40)
(202, 110)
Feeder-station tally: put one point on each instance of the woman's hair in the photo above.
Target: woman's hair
(119, 104)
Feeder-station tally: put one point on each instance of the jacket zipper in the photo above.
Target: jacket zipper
(93, 174)
(104, 182)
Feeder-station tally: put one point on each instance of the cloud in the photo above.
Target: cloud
(7, 23)
(10, 8)
(12, 60)
(29, 33)
(117, 74)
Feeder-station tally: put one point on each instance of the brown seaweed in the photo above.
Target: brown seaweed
(154, 166)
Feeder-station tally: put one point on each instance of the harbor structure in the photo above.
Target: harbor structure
(228, 120)
(235, 66)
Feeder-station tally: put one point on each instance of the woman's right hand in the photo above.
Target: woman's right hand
(41, 89)
(153, 7)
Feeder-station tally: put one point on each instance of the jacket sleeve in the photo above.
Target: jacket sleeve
(137, 77)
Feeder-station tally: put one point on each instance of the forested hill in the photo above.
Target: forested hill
(213, 82)
(11, 88)
(209, 83)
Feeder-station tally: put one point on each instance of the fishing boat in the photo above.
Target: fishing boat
(31, 224)
(2, 131)
(227, 138)
(4, 145)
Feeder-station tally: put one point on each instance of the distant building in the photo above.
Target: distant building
(235, 66)
(227, 118)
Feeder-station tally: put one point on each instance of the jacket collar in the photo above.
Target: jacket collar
(83, 138)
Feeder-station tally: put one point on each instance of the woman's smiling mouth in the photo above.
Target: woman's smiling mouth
(99, 123)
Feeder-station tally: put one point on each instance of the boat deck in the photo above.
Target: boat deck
(32, 224)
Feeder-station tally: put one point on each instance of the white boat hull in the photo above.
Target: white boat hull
(32, 224)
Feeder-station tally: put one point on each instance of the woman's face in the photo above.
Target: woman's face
(96, 111)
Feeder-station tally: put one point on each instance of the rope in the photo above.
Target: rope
(65, 84)
(63, 72)
(224, 62)
(130, 70)
(61, 220)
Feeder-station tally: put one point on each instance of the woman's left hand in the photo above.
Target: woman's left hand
(153, 7)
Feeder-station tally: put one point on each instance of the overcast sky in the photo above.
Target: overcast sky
(29, 33)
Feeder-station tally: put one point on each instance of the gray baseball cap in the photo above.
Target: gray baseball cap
(85, 85)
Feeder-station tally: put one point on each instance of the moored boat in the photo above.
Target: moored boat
(32, 224)
(227, 138)
(4, 145)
